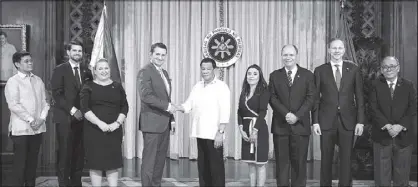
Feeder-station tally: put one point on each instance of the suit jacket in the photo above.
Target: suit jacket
(154, 116)
(402, 109)
(348, 100)
(298, 99)
(65, 93)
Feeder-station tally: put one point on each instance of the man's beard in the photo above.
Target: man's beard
(76, 60)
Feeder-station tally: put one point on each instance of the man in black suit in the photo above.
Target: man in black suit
(293, 93)
(156, 117)
(338, 111)
(393, 102)
(66, 82)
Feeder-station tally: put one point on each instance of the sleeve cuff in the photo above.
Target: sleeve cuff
(73, 110)
(30, 120)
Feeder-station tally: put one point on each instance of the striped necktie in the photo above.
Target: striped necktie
(289, 78)
(337, 76)
(392, 91)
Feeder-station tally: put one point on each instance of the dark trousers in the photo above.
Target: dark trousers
(210, 163)
(344, 139)
(70, 158)
(391, 162)
(291, 151)
(25, 159)
(153, 157)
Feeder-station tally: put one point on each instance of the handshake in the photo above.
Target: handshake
(174, 108)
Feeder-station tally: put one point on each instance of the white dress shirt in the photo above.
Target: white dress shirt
(294, 70)
(210, 105)
(340, 67)
(394, 83)
(25, 105)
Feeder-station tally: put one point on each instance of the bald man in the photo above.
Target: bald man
(394, 106)
(293, 95)
(338, 113)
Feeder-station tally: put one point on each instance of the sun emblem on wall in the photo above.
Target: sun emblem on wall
(222, 47)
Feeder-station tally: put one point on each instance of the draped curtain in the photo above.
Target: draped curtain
(264, 26)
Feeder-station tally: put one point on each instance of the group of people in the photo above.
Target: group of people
(89, 110)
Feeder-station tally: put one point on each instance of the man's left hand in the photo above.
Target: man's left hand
(359, 129)
(291, 118)
(218, 140)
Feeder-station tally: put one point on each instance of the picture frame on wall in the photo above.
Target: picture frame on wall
(13, 37)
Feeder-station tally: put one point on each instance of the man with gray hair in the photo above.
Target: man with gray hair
(393, 103)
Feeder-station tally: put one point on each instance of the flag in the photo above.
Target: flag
(103, 47)
(344, 34)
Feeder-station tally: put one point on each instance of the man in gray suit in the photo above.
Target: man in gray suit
(156, 117)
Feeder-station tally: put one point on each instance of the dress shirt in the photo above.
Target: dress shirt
(6, 66)
(167, 86)
(74, 109)
(210, 106)
(394, 83)
(294, 70)
(340, 67)
(22, 103)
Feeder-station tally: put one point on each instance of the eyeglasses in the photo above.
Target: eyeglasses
(389, 68)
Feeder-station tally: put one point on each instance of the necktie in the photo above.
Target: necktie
(77, 77)
(167, 86)
(32, 83)
(392, 91)
(289, 78)
(337, 76)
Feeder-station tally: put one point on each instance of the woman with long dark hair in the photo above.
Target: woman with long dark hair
(252, 110)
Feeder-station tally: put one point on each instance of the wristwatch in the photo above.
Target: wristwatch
(221, 131)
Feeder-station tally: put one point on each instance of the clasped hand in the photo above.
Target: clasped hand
(393, 130)
(36, 124)
(251, 139)
(291, 118)
(174, 108)
(109, 127)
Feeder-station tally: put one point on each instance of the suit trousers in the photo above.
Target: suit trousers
(344, 139)
(391, 162)
(153, 157)
(210, 163)
(25, 159)
(293, 148)
(70, 153)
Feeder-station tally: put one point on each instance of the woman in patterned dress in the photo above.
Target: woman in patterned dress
(252, 110)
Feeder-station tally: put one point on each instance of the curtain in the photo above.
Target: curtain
(264, 26)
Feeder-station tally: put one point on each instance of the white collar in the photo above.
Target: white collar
(22, 75)
(73, 65)
(394, 82)
(293, 70)
(340, 63)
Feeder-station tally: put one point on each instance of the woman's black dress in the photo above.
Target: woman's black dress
(252, 111)
(103, 150)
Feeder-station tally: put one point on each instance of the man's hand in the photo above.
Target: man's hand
(38, 123)
(78, 115)
(218, 140)
(393, 133)
(173, 128)
(243, 134)
(253, 137)
(359, 129)
(317, 129)
(387, 127)
(291, 118)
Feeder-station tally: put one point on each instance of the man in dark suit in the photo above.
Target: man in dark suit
(66, 82)
(293, 93)
(156, 117)
(338, 111)
(393, 102)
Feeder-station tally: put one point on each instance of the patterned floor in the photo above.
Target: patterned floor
(127, 182)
